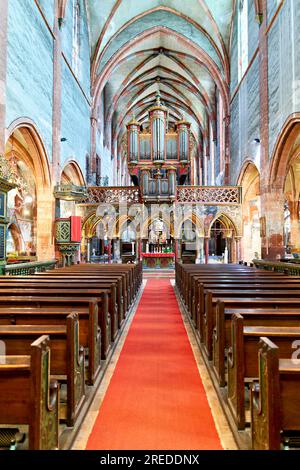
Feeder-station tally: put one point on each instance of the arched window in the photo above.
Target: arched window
(76, 37)
(243, 37)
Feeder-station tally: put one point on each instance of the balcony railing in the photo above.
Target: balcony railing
(211, 195)
(112, 195)
(70, 192)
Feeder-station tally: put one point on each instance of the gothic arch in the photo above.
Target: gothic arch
(226, 220)
(40, 165)
(72, 173)
(283, 152)
(33, 153)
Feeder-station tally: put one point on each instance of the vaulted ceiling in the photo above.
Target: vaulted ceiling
(180, 48)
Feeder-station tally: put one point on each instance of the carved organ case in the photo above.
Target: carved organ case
(158, 155)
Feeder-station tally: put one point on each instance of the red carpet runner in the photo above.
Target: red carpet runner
(155, 399)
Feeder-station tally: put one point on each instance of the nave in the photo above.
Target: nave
(163, 403)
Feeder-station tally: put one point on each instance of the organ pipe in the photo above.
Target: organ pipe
(183, 129)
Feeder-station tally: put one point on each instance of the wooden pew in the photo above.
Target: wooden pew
(108, 309)
(222, 283)
(101, 296)
(275, 400)
(67, 357)
(252, 317)
(22, 310)
(121, 298)
(242, 358)
(208, 319)
(28, 396)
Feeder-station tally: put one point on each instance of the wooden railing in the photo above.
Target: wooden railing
(278, 266)
(28, 268)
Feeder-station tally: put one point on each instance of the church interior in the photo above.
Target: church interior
(149, 225)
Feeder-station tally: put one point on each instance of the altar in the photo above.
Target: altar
(158, 260)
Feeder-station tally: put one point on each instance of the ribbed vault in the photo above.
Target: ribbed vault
(180, 49)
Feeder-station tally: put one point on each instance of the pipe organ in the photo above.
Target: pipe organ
(158, 154)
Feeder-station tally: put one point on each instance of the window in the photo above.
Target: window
(243, 37)
(76, 37)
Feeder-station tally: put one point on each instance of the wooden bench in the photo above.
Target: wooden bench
(208, 318)
(275, 400)
(67, 357)
(28, 396)
(108, 310)
(236, 282)
(252, 317)
(22, 310)
(101, 297)
(242, 358)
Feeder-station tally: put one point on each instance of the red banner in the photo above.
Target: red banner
(75, 228)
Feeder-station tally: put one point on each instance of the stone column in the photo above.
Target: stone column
(227, 149)
(206, 249)
(45, 213)
(198, 249)
(57, 99)
(272, 209)
(93, 156)
(233, 254)
(295, 229)
(117, 250)
(3, 65)
(109, 251)
(88, 250)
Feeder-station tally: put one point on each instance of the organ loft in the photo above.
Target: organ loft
(158, 153)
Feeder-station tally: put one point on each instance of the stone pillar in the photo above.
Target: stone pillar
(109, 251)
(117, 250)
(206, 249)
(233, 254)
(227, 149)
(3, 65)
(238, 242)
(88, 250)
(272, 222)
(45, 217)
(295, 229)
(93, 156)
(57, 100)
(198, 249)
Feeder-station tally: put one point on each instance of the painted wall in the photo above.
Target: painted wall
(30, 76)
(75, 126)
(284, 68)
(47, 7)
(67, 43)
(245, 102)
(30, 68)
(106, 160)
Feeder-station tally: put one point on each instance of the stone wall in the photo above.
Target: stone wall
(245, 104)
(29, 82)
(30, 78)
(283, 68)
